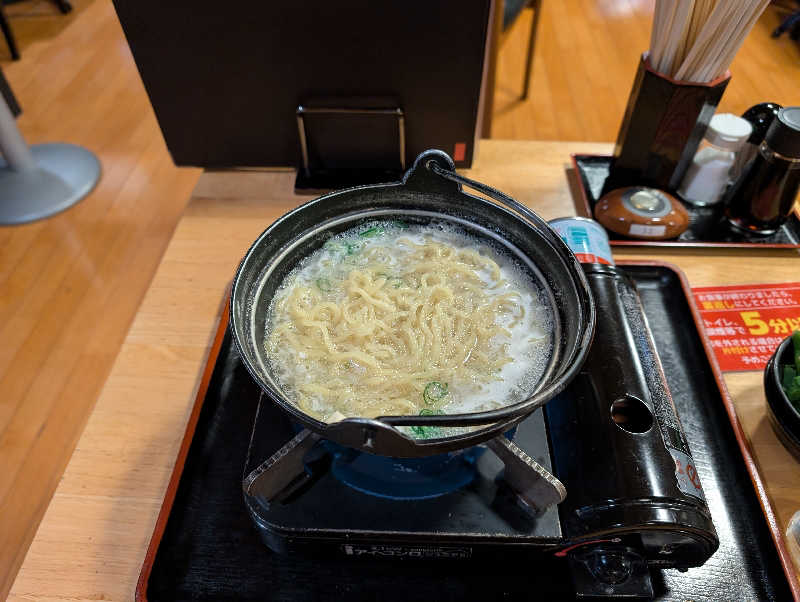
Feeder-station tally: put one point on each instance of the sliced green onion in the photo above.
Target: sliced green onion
(324, 285)
(370, 232)
(334, 246)
(427, 432)
(434, 391)
(352, 247)
(399, 224)
(422, 432)
(395, 281)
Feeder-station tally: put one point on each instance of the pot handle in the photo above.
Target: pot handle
(433, 164)
(420, 177)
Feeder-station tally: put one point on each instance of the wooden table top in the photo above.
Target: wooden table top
(92, 540)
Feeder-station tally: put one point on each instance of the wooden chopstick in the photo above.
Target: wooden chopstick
(696, 40)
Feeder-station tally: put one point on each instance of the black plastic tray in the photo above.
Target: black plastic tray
(209, 549)
(705, 228)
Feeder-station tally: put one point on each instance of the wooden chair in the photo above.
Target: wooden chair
(512, 9)
(504, 15)
(63, 5)
(12, 44)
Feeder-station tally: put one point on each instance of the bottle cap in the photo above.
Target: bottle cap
(761, 117)
(783, 135)
(726, 130)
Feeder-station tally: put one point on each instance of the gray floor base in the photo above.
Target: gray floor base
(66, 173)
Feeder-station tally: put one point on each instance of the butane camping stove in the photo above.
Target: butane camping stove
(613, 439)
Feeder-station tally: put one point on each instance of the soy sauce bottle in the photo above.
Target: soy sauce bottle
(760, 117)
(763, 197)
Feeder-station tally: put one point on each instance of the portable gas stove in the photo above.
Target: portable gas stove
(633, 501)
(452, 530)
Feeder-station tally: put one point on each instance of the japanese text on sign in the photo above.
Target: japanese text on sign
(746, 323)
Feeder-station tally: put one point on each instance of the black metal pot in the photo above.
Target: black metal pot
(430, 190)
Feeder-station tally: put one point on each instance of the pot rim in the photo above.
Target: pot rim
(493, 422)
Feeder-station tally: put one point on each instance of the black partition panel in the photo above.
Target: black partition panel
(225, 79)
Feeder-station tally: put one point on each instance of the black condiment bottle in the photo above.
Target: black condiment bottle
(763, 197)
(760, 116)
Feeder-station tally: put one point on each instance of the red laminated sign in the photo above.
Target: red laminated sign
(745, 323)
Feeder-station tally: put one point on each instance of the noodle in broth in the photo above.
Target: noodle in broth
(391, 319)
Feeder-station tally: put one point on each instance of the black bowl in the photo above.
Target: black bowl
(783, 416)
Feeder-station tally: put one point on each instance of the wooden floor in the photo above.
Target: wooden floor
(587, 52)
(70, 285)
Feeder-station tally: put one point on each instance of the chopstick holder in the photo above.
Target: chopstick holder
(664, 122)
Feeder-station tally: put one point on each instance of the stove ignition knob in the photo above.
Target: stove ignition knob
(610, 571)
(610, 567)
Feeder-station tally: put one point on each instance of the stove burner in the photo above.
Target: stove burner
(306, 456)
(404, 478)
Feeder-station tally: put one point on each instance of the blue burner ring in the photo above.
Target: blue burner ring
(405, 478)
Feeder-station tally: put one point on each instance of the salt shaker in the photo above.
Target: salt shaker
(708, 174)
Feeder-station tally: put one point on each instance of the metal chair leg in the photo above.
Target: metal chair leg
(12, 45)
(787, 24)
(8, 94)
(537, 9)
